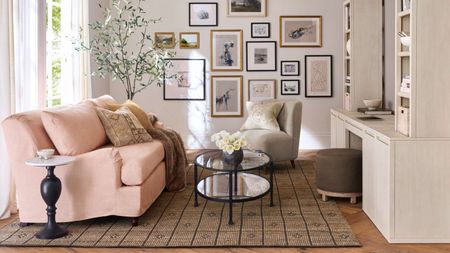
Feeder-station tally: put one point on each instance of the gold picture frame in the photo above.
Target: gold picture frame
(185, 40)
(227, 101)
(226, 50)
(165, 39)
(262, 89)
(301, 31)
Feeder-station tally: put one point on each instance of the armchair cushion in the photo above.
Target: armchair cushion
(278, 144)
(262, 116)
(74, 129)
(122, 127)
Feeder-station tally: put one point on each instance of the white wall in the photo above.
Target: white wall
(389, 54)
(192, 120)
(99, 86)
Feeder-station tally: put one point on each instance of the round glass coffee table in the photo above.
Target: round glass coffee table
(233, 184)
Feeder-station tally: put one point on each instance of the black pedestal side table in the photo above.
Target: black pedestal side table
(50, 192)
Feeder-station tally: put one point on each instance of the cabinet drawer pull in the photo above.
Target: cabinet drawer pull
(351, 124)
(382, 141)
(370, 134)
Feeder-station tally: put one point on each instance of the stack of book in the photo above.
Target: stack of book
(375, 112)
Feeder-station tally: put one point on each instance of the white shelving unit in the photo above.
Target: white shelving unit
(363, 66)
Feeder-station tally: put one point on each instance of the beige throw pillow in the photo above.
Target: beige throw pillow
(122, 127)
(262, 116)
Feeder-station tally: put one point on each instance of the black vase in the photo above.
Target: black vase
(235, 158)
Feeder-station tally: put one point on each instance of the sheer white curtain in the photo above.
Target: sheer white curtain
(75, 66)
(22, 82)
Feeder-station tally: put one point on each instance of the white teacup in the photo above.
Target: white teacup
(46, 153)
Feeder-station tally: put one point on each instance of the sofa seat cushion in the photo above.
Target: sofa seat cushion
(277, 144)
(140, 161)
(74, 129)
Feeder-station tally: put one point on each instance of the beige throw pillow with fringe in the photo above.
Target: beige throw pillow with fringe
(122, 127)
(262, 116)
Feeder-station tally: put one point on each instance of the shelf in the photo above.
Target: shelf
(404, 94)
(348, 58)
(347, 2)
(347, 84)
(404, 54)
(404, 13)
(347, 31)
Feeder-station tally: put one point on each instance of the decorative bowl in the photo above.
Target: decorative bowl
(406, 41)
(45, 153)
(372, 104)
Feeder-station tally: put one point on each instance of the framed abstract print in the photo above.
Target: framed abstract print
(226, 96)
(259, 90)
(261, 56)
(226, 50)
(185, 79)
(301, 31)
(319, 76)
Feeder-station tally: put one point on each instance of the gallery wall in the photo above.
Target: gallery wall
(192, 118)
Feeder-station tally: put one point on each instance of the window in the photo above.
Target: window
(54, 54)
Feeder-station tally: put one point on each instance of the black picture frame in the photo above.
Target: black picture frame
(282, 73)
(282, 89)
(260, 37)
(275, 61)
(307, 84)
(216, 23)
(203, 98)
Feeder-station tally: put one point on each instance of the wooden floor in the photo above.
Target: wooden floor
(370, 238)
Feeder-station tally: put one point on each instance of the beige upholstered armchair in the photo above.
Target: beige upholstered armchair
(280, 145)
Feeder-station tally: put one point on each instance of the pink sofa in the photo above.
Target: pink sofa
(107, 180)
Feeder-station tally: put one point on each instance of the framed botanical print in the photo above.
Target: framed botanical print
(190, 40)
(290, 68)
(203, 14)
(260, 30)
(319, 75)
(290, 87)
(226, 96)
(247, 8)
(259, 90)
(226, 50)
(184, 79)
(261, 56)
(165, 39)
(301, 31)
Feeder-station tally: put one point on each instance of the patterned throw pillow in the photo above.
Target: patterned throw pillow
(140, 114)
(122, 127)
(262, 116)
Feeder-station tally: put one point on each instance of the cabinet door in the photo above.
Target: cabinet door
(382, 177)
(369, 176)
(333, 131)
(340, 133)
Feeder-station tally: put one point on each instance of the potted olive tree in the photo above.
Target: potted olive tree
(136, 65)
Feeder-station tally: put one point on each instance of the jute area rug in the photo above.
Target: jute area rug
(298, 219)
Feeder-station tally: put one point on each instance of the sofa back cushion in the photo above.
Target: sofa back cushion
(122, 127)
(74, 129)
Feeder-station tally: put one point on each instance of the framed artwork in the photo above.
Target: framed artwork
(290, 87)
(189, 40)
(226, 50)
(319, 75)
(165, 39)
(290, 68)
(226, 96)
(301, 31)
(247, 8)
(260, 30)
(261, 56)
(185, 79)
(203, 14)
(259, 90)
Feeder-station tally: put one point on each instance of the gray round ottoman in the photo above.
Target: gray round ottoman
(339, 173)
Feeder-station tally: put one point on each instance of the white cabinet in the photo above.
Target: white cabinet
(405, 180)
(338, 139)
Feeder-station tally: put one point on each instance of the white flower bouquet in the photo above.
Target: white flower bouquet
(229, 142)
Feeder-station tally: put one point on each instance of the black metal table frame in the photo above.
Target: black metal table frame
(232, 174)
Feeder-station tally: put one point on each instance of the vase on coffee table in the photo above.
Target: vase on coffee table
(234, 158)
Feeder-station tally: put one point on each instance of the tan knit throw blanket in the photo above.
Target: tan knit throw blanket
(175, 156)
